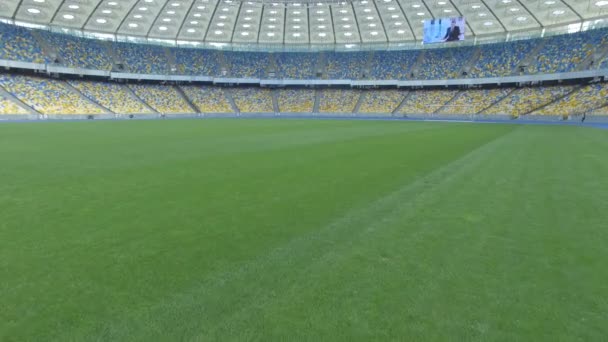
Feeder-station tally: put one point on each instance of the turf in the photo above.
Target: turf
(219, 230)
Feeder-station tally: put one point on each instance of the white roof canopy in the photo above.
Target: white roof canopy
(291, 22)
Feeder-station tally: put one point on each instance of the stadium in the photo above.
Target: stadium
(232, 170)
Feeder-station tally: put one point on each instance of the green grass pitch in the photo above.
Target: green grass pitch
(279, 230)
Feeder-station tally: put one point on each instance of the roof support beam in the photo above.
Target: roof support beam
(56, 12)
(124, 18)
(17, 9)
(181, 26)
(381, 21)
(156, 18)
(574, 11)
(494, 14)
(91, 14)
(531, 14)
(406, 19)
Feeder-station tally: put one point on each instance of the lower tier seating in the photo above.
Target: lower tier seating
(47, 96)
(53, 96)
(162, 98)
(253, 100)
(583, 100)
(7, 106)
(473, 101)
(208, 99)
(426, 101)
(381, 101)
(338, 100)
(114, 96)
(296, 100)
(525, 100)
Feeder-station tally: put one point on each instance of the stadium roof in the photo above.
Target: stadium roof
(303, 22)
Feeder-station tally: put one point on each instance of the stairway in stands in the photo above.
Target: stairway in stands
(185, 97)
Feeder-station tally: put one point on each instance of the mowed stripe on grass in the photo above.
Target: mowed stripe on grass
(274, 230)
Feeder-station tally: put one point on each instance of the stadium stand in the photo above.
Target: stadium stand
(208, 99)
(79, 52)
(296, 100)
(496, 60)
(392, 65)
(296, 65)
(142, 59)
(346, 65)
(113, 96)
(525, 100)
(162, 98)
(473, 101)
(580, 101)
(381, 101)
(9, 107)
(197, 62)
(47, 96)
(601, 111)
(247, 64)
(500, 59)
(566, 52)
(18, 44)
(444, 63)
(338, 100)
(426, 101)
(253, 100)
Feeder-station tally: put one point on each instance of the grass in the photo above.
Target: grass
(219, 230)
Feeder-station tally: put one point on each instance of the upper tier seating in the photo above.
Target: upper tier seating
(392, 65)
(444, 63)
(247, 64)
(18, 44)
(47, 96)
(524, 100)
(381, 101)
(253, 100)
(300, 100)
(496, 60)
(142, 59)
(338, 100)
(564, 53)
(581, 101)
(473, 101)
(208, 99)
(163, 98)
(426, 101)
(346, 65)
(113, 96)
(197, 62)
(9, 107)
(78, 52)
(296, 65)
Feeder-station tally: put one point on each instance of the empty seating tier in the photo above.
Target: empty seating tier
(114, 96)
(296, 100)
(163, 98)
(338, 100)
(381, 101)
(253, 100)
(47, 96)
(208, 99)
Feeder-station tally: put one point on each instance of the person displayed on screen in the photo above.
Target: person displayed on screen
(453, 32)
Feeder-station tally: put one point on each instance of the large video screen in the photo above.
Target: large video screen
(443, 30)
